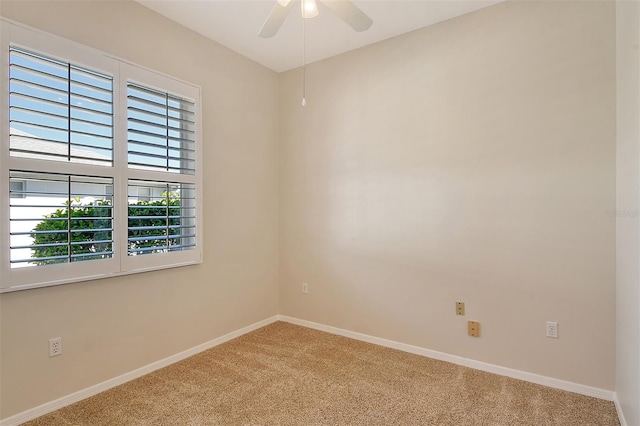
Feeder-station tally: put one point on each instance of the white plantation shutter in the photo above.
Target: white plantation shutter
(59, 111)
(165, 222)
(161, 131)
(83, 232)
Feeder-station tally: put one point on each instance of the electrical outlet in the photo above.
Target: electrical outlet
(55, 346)
(305, 288)
(459, 308)
(552, 329)
(473, 328)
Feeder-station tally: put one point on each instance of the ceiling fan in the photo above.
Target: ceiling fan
(344, 9)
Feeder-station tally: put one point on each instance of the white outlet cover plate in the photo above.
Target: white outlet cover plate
(55, 346)
(552, 329)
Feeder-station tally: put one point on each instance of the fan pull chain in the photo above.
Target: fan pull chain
(304, 48)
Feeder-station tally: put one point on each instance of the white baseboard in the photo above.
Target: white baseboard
(478, 365)
(496, 369)
(616, 401)
(116, 381)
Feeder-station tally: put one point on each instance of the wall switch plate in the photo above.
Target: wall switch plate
(473, 328)
(459, 308)
(305, 288)
(552, 329)
(55, 346)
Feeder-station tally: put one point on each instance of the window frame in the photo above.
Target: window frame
(13, 279)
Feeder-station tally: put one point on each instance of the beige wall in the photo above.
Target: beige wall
(628, 205)
(113, 326)
(475, 161)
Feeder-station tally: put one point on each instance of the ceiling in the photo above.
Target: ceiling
(235, 24)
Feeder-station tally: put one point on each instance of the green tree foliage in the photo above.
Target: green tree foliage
(148, 223)
(151, 224)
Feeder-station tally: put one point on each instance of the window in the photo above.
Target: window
(108, 193)
(164, 221)
(144, 193)
(161, 131)
(62, 218)
(103, 164)
(59, 111)
(17, 188)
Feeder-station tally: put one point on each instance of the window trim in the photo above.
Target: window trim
(123, 71)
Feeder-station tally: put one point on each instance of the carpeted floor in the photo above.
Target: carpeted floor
(284, 374)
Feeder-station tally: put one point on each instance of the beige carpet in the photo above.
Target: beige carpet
(284, 374)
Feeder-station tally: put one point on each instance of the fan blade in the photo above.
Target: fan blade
(274, 21)
(350, 14)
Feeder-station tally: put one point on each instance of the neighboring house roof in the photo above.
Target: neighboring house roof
(30, 146)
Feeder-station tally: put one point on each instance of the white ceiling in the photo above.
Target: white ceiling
(235, 24)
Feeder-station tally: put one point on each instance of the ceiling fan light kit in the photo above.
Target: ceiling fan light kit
(309, 8)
